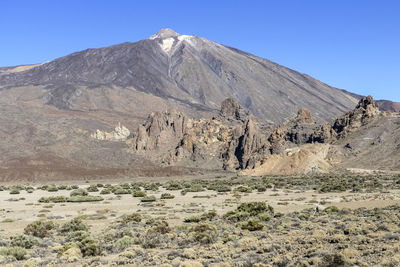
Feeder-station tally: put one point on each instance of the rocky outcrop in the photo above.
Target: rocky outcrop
(161, 130)
(120, 133)
(231, 109)
(247, 148)
(365, 111)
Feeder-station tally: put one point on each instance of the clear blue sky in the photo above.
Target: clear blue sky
(349, 44)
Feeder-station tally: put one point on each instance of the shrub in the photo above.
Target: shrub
(251, 225)
(203, 233)
(105, 191)
(208, 215)
(14, 191)
(192, 219)
(264, 216)
(173, 186)
(148, 199)
(167, 196)
(77, 236)
(134, 217)
(223, 188)
(18, 253)
(85, 199)
(331, 209)
(121, 191)
(151, 186)
(261, 188)
(55, 199)
(92, 188)
(78, 192)
(123, 243)
(237, 216)
(73, 225)
(139, 193)
(24, 241)
(52, 188)
(195, 188)
(254, 208)
(243, 189)
(89, 246)
(39, 228)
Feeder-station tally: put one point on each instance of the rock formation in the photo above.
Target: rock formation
(120, 133)
(365, 111)
(231, 109)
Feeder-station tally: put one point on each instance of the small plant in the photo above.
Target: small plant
(14, 191)
(105, 191)
(148, 199)
(192, 219)
(139, 193)
(123, 243)
(167, 196)
(251, 225)
(75, 224)
(18, 253)
(39, 228)
(134, 217)
(52, 188)
(85, 199)
(78, 192)
(24, 241)
(92, 188)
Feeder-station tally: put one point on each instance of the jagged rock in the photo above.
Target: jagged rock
(160, 129)
(303, 116)
(247, 148)
(365, 111)
(231, 109)
(120, 133)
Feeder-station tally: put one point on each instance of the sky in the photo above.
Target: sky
(348, 44)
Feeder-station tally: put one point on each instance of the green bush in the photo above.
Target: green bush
(89, 246)
(52, 188)
(18, 253)
(139, 194)
(192, 219)
(134, 217)
(14, 191)
(74, 225)
(251, 225)
(24, 241)
(85, 199)
(208, 215)
(39, 228)
(148, 199)
(265, 216)
(55, 199)
(254, 208)
(105, 191)
(123, 243)
(77, 236)
(167, 196)
(92, 188)
(121, 191)
(203, 233)
(331, 209)
(78, 192)
(243, 189)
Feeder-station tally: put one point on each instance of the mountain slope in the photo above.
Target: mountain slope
(191, 71)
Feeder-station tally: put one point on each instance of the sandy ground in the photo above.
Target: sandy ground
(27, 208)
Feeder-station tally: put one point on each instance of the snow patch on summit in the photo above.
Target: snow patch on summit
(167, 44)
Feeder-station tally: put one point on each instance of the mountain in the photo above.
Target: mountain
(189, 70)
(58, 119)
